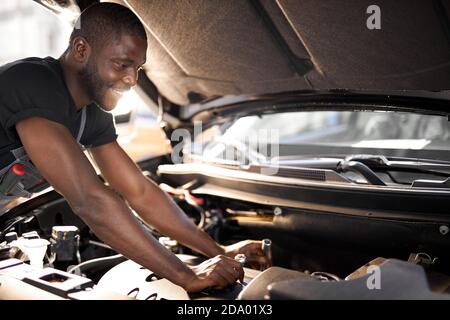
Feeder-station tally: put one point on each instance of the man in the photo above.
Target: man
(48, 108)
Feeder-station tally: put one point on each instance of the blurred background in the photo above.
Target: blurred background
(27, 29)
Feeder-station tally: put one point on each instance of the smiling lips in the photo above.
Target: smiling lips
(118, 93)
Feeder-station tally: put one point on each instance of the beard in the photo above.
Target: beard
(95, 87)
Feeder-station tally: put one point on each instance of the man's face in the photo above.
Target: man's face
(113, 70)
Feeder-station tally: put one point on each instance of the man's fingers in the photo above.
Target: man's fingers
(241, 275)
(235, 268)
(227, 273)
(221, 279)
(222, 271)
(253, 249)
(260, 260)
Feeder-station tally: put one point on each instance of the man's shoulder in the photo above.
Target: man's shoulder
(29, 69)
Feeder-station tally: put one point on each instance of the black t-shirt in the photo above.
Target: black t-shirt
(36, 87)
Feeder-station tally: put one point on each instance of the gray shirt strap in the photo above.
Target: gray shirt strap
(82, 124)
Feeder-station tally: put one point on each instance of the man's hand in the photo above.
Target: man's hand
(217, 273)
(252, 250)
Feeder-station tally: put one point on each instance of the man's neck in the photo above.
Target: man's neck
(71, 76)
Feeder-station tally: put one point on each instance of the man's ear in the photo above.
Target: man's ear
(81, 49)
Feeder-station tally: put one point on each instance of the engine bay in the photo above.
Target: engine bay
(373, 259)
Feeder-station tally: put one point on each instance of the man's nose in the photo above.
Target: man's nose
(130, 79)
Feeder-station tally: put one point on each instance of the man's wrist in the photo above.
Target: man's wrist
(185, 277)
(214, 248)
(220, 250)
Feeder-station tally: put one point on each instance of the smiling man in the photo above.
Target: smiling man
(51, 109)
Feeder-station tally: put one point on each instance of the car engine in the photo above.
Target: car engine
(47, 252)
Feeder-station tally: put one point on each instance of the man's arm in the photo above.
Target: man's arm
(62, 163)
(153, 205)
(159, 210)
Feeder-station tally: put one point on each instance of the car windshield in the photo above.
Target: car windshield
(321, 133)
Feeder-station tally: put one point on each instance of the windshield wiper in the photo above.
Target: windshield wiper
(380, 161)
(423, 165)
(368, 166)
(431, 184)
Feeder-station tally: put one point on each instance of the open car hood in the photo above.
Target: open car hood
(200, 50)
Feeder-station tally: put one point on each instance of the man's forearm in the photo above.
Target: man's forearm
(157, 209)
(112, 221)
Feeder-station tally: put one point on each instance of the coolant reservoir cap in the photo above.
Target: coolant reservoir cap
(64, 232)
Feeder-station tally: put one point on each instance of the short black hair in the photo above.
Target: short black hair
(101, 22)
